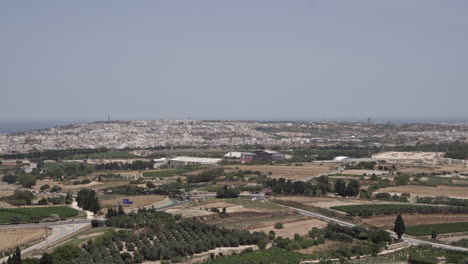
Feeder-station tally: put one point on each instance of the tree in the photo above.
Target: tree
(56, 189)
(353, 188)
(10, 178)
(27, 180)
(45, 187)
(434, 234)
(46, 259)
(399, 226)
(278, 226)
(15, 258)
(340, 187)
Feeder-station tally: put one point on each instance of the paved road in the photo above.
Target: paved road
(410, 240)
(60, 230)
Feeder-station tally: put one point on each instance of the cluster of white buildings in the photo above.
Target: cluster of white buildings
(171, 133)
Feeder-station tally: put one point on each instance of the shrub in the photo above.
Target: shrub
(278, 226)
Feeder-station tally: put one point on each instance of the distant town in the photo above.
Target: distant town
(230, 134)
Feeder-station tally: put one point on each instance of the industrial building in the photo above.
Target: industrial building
(256, 155)
(183, 161)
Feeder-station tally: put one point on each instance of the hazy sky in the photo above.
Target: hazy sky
(252, 59)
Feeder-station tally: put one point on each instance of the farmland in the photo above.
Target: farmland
(27, 214)
(383, 209)
(415, 219)
(289, 172)
(301, 227)
(275, 255)
(443, 228)
(164, 173)
(12, 237)
(138, 200)
(416, 190)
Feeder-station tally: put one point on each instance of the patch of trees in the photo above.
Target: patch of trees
(136, 165)
(205, 176)
(389, 197)
(442, 200)
(351, 189)
(283, 186)
(363, 165)
(24, 179)
(87, 199)
(347, 234)
(20, 198)
(227, 192)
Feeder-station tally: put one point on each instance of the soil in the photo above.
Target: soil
(301, 227)
(422, 191)
(13, 237)
(289, 172)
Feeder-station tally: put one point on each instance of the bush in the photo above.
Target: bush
(278, 226)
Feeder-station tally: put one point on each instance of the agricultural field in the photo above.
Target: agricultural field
(110, 200)
(301, 227)
(164, 173)
(25, 214)
(388, 221)
(428, 169)
(274, 255)
(323, 202)
(386, 209)
(13, 237)
(66, 187)
(443, 228)
(426, 191)
(289, 172)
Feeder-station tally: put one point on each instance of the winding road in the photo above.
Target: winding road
(410, 240)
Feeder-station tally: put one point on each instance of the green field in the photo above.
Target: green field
(164, 173)
(274, 255)
(25, 214)
(382, 209)
(425, 230)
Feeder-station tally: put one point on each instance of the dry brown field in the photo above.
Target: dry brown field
(253, 220)
(416, 219)
(138, 201)
(12, 237)
(301, 227)
(441, 190)
(323, 248)
(323, 202)
(289, 172)
(428, 168)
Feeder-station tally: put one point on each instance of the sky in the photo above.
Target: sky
(243, 59)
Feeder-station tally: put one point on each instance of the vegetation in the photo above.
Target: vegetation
(283, 186)
(399, 228)
(274, 255)
(87, 199)
(33, 214)
(165, 173)
(383, 209)
(425, 230)
(20, 198)
(227, 192)
(205, 176)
